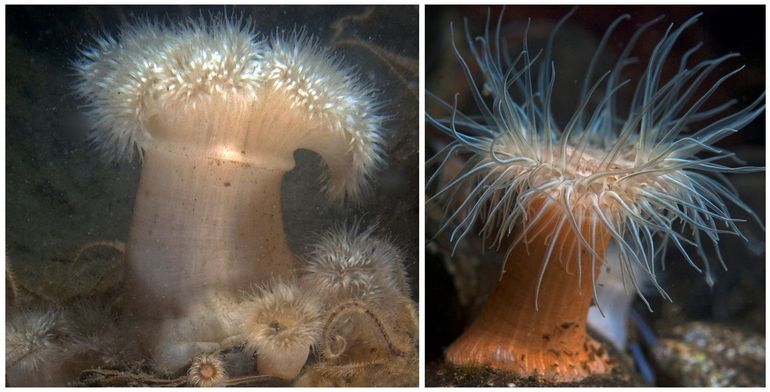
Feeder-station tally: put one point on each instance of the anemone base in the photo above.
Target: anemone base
(534, 321)
(549, 362)
(284, 363)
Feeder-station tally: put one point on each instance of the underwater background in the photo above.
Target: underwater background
(456, 286)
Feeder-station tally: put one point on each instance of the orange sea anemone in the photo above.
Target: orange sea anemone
(642, 177)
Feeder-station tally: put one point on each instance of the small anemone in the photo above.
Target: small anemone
(207, 370)
(31, 336)
(280, 323)
(33, 344)
(92, 333)
(369, 315)
(353, 263)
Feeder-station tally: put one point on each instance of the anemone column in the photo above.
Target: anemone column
(534, 321)
(207, 223)
(201, 220)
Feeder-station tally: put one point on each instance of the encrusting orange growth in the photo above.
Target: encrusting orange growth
(551, 341)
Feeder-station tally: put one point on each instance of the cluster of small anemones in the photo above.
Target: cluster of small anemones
(640, 178)
(48, 345)
(348, 272)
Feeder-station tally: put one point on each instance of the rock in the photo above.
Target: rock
(703, 354)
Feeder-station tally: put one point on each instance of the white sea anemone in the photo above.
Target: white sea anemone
(33, 347)
(151, 69)
(348, 262)
(644, 177)
(360, 275)
(281, 323)
(93, 337)
(217, 112)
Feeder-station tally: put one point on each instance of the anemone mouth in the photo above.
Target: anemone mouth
(207, 370)
(649, 174)
(280, 316)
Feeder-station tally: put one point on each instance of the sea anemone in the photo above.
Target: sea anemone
(362, 278)
(281, 323)
(643, 178)
(348, 262)
(49, 345)
(216, 113)
(33, 347)
(93, 337)
(207, 370)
